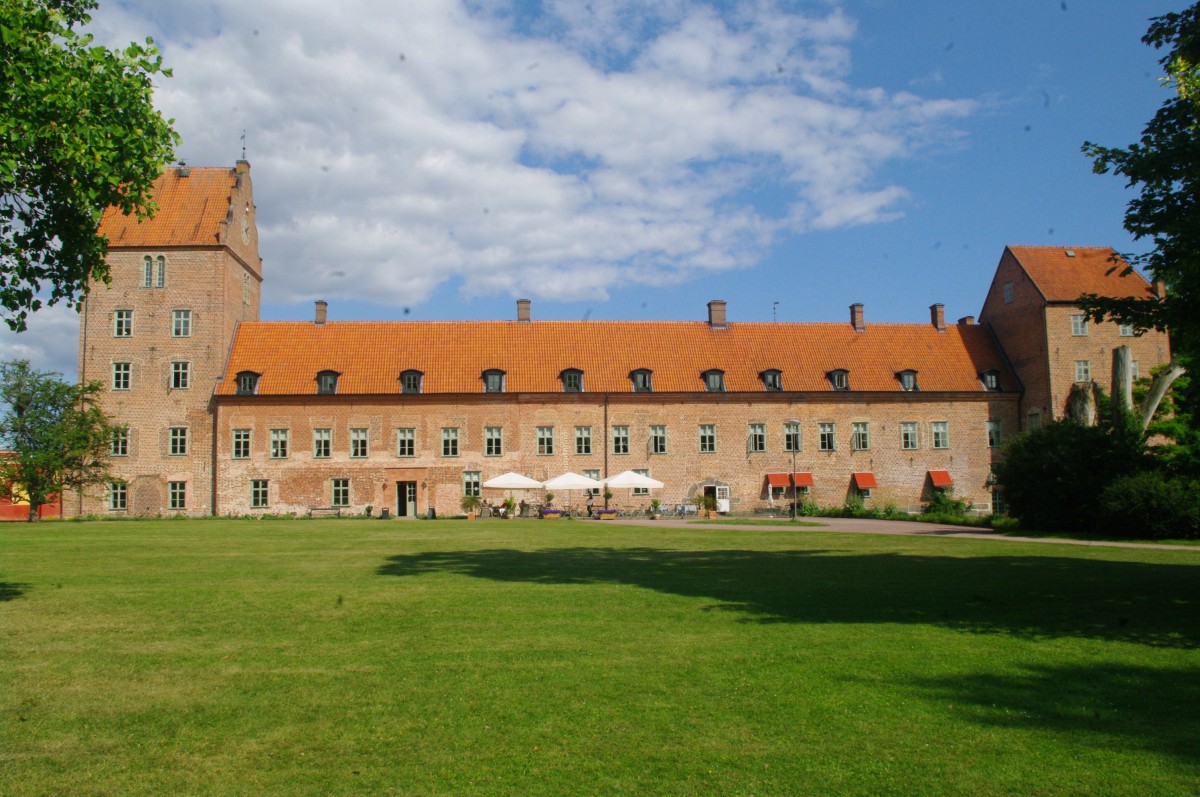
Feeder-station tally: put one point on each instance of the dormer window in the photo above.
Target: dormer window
(908, 380)
(327, 383)
(247, 383)
(642, 380)
(772, 379)
(493, 381)
(572, 380)
(990, 380)
(839, 379)
(411, 381)
(714, 380)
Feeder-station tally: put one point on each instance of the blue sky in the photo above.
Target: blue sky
(627, 160)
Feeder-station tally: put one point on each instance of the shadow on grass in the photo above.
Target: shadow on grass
(10, 591)
(1115, 706)
(1032, 597)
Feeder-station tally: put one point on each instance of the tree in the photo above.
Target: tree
(1165, 164)
(78, 134)
(55, 434)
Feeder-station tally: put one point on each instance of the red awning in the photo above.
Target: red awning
(785, 479)
(865, 481)
(941, 478)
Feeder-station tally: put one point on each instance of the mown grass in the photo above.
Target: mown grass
(343, 657)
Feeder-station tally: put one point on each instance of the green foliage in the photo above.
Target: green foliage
(1152, 505)
(943, 502)
(470, 503)
(57, 434)
(78, 134)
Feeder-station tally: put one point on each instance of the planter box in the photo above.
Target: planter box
(551, 515)
(608, 516)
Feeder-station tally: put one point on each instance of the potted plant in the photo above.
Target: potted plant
(655, 509)
(470, 505)
(510, 507)
(607, 514)
(549, 499)
(709, 503)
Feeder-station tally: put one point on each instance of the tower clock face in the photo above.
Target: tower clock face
(245, 229)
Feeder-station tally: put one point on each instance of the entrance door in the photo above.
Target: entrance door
(406, 499)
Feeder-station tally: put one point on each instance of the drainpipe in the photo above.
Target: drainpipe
(604, 442)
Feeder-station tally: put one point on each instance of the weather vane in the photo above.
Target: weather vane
(243, 144)
(773, 306)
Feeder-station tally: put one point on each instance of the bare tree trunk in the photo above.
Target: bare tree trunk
(1158, 388)
(1122, 381)
(33, 512)
(1081, 403)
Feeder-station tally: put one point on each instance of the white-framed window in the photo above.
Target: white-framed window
(279, 443)
(176, 495)
(450, 441)
(757, 438)
(471, 483)
(493, 381)
(839, 379)
(990, 379)
(247, 383)
(411, 381)
(643, 380)
(339, 492)
(1083, 371)
(714, 381)
(493, 441)
(910, 436)
(120, 442)
(118, 496)
(860, 436)
(327, 383)
(545, 440)
(181, 375)
(792, 441)
(1008, 293)
(121, 375)
(658, 439)
(620, 439)
(708, 438)
(572, 380)
(147, 272)
(641, 490)
(772, 380)
(1127, 330)
(358, 444)
(177, 437)
(908, 381)
(181, 323)
(1079, 325)
(592, 474)
(827, 436)
(995, 433)
(941, 434)
(322, 443)
(123, 323)
(241, 443)
(406, 442)
(258, 493)
(161, 281)
(583, 440)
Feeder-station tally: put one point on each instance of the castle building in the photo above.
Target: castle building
(222, 413)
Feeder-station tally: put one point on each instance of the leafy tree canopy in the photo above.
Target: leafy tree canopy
(54, 434)
(78, 134)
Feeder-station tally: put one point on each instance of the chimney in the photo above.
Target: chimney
(1160, 289)
(523, 310)
(966, 321)
(716, 314)
(856, 317)
(183, 170)
(242, 166)
(937, 316)
(322, 307)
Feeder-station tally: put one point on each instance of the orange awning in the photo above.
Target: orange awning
(865, 481)
(941, 478)
(803, 479)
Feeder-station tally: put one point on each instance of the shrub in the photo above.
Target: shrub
(944, 503)
(1152, 505)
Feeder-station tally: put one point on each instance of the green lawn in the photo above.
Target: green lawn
(528, 658)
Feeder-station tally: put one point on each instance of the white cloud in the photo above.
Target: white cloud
(396, 146)
(51, 342)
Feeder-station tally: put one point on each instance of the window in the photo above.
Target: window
(181, 323)
(450, 442)
(241, 443)
(161, 282)
(245, 289)
(1127, 330)
(340, 492)
(411, 381)
(120, 376)
(990, 379)
(658, 440)
(1008, 293)
(908, 380)
(999, 505)
(493, 441)
(583, 439)
(642, 380)
(118, 496)
(471, 483)
(358, 443)
(839, 379)
(1133, 370)
(620, 439)
(258, 493)
(177, 437)
(147, 272)
(176, 495)
(123, 324)
(406, 442)
(592, 474)
(827, 436)
(757, 441)
(860, 436)
(247, 383)
(572, 380)
(120, 442)
(641, 490)
(995, 434)
(1079, 325)
(493, 381)
(327, 382)
(791, 437)
(708, 438)
(180, 375)
(279, 443)
(545, 440)
(714, 381)
(941, 434)
(910, 438)
(322, 443)
(772, 379)
(1033, 421)
(1083, 371)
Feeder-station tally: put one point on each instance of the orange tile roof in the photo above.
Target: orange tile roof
(190, 211)
(1063, 278)
(370, 355)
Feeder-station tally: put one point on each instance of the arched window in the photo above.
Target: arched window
(247, 383)
(642, 379)
(411, 381)
(572, 380)
(772, 379)
(839, 379)
(327, 383)
(714, 380)
(493, 381)
(908, 380)
(162, 272)
(147, 272)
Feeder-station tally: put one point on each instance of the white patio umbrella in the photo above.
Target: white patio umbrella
(512, 481)
(572, 481)
(628, 479)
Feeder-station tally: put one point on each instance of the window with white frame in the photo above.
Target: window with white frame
(1079, 325)
(241, 443)
(358, 444)
(839, 379)
(120, 375)
(1083, 371)
(910, 438)
(181, 375)
(122, 323)
(908, 381)
(714, 380)
(708, 438)
(322, 443)
(860, 436)
(941, 434)
(181, 323)
(247, 383)
(176, 495)
(339, 492)
(450, 441)
(641, 490)
(620, 439)
(258, 493)
(406, 442)
(757, 438)
(327, 382)
(572, 380)
(411, 381)
(995, 433)
(791, 437)
(161, 281)
(545, 440)
(177, 441)
(583, 439)
(658, 439)
(493, 441)
(1127, 330)
(120, 442)
(592, 474)
(279, 443)
(990, 379)
(827, 436)
(493, 381)
(118, 496)
(147, 272)
(471, 483)
(642, 380)
(772, 379)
